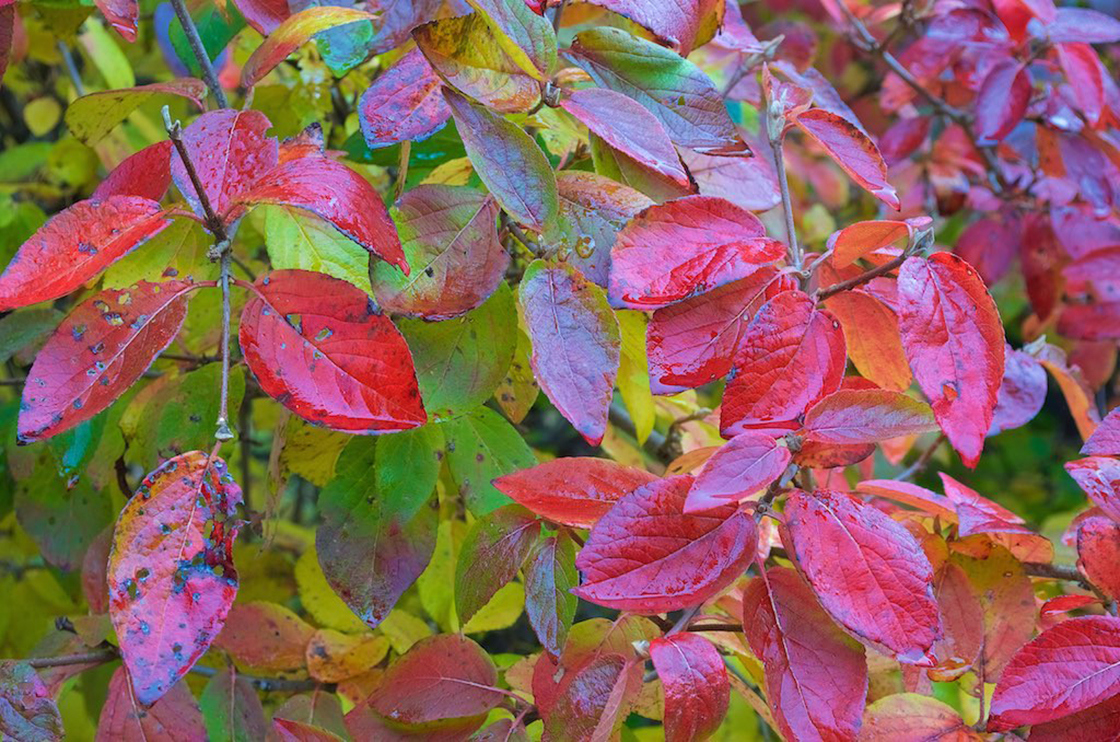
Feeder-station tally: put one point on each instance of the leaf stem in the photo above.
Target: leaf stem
(223, 433)
(71, 69)
(199, 50)
(922, 461)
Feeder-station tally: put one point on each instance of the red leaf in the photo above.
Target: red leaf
(867, 570)
(911, 494)
(230, 152)
(856, 240)
(628, 127)
(851, 149)
(743, 466)
(167, 601)
(319, 346)
(173, 717)
(265, 636)
(747, 182)
(791, 355)
(953, 338)
(573, 491)
(646, 555)
(7, 34)
(1065, 669)
(403, 104)
(1101, 721)
(122, 16)
(576, 344)
(816, 675)
(97, 353)
(1099, 477)
(1084, 26)
(903, 138)
(694, 342)
(1105, 440)
(1065, 604)
(501, 540)
(75, 245)
(335, 193)
(1022, 392)
(293, 33)
(1002, 101)
(684, 247)
(146, 174)
(441, 677)
(977, 513)
(867, 416)
(695, 681)
(288, 730)
(989, 245)
(265, 16)
(1098, 554)
(591, 703)
(450, 237)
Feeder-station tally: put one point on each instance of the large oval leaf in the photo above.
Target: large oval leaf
(866, 416)
(320, 346)
(171, 574)
(743, 466)
(867, 570)
(97, 353)
(576, 344)
(953, 338)
(647, 556)
(501, 540)
(93, 116)
(852, 150)
(76, 245)
(146, 173)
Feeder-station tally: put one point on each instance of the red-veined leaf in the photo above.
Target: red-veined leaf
(1105, 440)
(628, 127)
(646, 555)
(171, 574)
(695, 681)
(1066, 669)
(683, 247)
(440, 678)
(511, 164)
(122, 16)
(501, 541)
(573, 491)
(694, 342)
(856, 240)
(1021, 393)
(816, 675)
(911, 716)
(75, 245)
(676, 91)
(1082, 26)
(867, 416)
(791, 355)
(174, 716)
(576, 343)
(1098, 554)
(852, 150)
(230, 152)
(867, 570)
(403, 104)
(449, 235)
(744, 465)
(550, 576)
(953, 338)
(1099, 477)
(97, 353)
(293, 33)
(92, 116)
(336, 193)
(1002, 101)
(320, 346)
(377, 534)
(872, 338)
(146, 173)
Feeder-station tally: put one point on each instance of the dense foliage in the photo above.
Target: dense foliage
(514, 369)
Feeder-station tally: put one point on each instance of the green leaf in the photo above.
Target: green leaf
(24, 327)
(511, 164)
(549, 577)
(460, 362)
(526, 37)
(501, 612)
(499, 540)
(482, 446)
(216, 31)
(106, 54)
(295, 239)
(231, 710)
(320, 600)
(345, 47)
(177, 252)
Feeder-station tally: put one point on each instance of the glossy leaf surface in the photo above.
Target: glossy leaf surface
(695, 682)
(747, 463)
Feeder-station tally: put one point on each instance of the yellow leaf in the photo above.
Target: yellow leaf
(501, 612)
(633, 372)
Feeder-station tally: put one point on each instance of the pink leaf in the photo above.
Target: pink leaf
(1105, 440)
(684, 247)
(791, 355)
(1099, 477)
(1002, 101)
(175, 716)
(867, 570)
(146, 174)
(122, 16)
(695, 681)
(852, 151)
(1021, 393)
(954, 341)
(1083, 26)
(646, 555)
(744, 465)
(320, 346)
(1098, 554)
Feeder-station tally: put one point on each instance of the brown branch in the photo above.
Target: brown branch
(1054, 572)
(862, 278)
(175, 133)
(199, 50)
(922, 461)
(717, 627)
(122, 477)
(99, 656)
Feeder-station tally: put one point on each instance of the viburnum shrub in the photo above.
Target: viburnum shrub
(284, 468)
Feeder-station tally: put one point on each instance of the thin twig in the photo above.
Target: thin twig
(199, 50)
(122, 477)
(922, 461)
(223, 432)
(685, 618)
(787, 203)
(716, 627)
(71, 68)
(106, 654)
(862, 278)
(1053, 571)
(558, 15)
(532, 245)
(175, 133)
